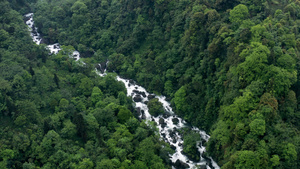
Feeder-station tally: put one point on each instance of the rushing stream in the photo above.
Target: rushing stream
(168, 123)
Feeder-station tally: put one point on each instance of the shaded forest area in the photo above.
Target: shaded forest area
(229, 67)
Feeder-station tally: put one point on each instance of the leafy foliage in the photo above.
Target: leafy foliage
(228, 67)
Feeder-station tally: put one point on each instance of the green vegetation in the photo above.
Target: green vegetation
(228, 67)
(57, 113)
(155, 107)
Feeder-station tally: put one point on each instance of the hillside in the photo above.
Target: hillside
(227, 67)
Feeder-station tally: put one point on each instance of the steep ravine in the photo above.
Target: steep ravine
(168, 123)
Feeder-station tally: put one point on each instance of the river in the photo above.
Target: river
(168, 124)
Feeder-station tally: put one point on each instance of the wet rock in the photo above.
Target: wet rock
(131, 81)
(26, 18)
(162, 122)
(146, 102)
(180, 144)
(34, 32)
(181, 165)
(202, 166)
(208, 160)
(137, 98)
(175, 121)
(140, 93)
(151, 96)
(173, 147)
(137, 112)
(143, 115)
(166, 114)
(163, 135)
(143, 94)
(172, 133)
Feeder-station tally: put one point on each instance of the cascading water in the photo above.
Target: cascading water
(53, 48)
(168, 123)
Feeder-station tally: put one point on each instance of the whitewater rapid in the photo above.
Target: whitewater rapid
(168, 123)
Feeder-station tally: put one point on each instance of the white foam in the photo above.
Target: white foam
(54, 48)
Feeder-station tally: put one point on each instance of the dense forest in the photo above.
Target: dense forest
(56, 113)
(229, 67)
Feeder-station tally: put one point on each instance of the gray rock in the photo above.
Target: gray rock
(175, 121)
(143, 115)
(137, 112)
(162, 122)
(131, 81)
(202, 166)
(151, 96)
(137, 98)
(181, 165)
(166, 114)
(173, 147)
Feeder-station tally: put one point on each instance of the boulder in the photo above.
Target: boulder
(137, 98)
(181, 165)
(166, 114)
(137, 112)
(202, 166)
(143, 115)
(151, 96)
(208, 160)
(174, 140)
(26, 18)
(131, 81)
(162, 122)
(173, 147)
(175, 121)
(143, 94)
(172, 133)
